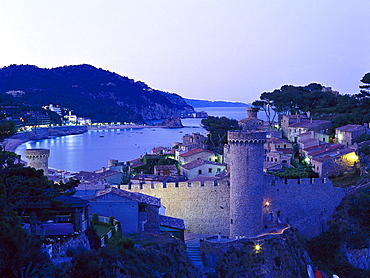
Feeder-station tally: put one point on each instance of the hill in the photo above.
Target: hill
(90, 92)
(216, 103)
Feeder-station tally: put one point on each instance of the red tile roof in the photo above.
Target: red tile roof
(195, 151)
(199, 162)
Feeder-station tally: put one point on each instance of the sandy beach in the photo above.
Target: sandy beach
(11, 144)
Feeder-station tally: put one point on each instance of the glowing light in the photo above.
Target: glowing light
(352, 157)
(257, 247)
(267, 204)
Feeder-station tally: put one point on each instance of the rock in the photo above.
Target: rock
(174, 122)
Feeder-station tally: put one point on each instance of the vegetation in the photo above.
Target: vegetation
(296, 173)
(218, 128)
(349, 229)
(321, 102)
(80, 88)
(120, 258)
(20, 186)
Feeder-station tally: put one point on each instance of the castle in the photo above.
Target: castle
(248, 202)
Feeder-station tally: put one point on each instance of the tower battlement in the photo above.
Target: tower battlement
(239, 136)
(38, 159)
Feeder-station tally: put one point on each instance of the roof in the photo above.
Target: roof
(327, 148)
(350, 128)
(171, 222)
(332, 155)
(199, 162)
(136, 196)
(195, 151)
(309, 123)
(165, 167)
(152, 177)
(91, 176)
(276, 140)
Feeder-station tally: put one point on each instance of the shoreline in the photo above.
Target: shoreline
(10, 144)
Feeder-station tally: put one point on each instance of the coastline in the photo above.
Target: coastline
(10, 144)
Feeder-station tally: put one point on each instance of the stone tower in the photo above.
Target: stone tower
(252, 112)
(246, 182)
(38, 159)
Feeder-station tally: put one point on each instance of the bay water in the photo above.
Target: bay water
(92, 150)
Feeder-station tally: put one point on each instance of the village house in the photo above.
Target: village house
(311, 138)
(348, 134)
(72, 217)
(197, 154)
(251, 122)
(102, 177)
(201, 167)
(334, 162)
(286, 120)
(137, 212)
(298, 128)
(165, 170)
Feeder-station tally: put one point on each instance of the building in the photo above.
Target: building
(137, 212)
(251, 122)
(348, 134)
(201, 167)
(198, 154)
(298, 128)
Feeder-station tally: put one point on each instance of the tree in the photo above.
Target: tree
(217, 128)
(365, 89)
(19, 187)
(7, 128)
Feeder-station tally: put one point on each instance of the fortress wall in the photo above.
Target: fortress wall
(204, 208)
(305, 206)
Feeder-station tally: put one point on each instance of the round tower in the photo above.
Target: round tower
(38, 159)
(246, 182)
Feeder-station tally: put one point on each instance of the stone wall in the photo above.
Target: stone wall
(204, 208)
(305, 204)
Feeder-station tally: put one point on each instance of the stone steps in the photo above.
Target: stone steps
(195, 256)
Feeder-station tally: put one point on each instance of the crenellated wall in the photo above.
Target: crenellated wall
(305, 204)
(204, 207)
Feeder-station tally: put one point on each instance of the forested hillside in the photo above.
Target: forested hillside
(90, 92)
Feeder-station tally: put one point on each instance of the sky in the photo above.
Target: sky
(231, 50)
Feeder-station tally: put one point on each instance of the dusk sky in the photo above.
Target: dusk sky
(217, 50)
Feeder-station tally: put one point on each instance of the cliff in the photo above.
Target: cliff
(90, 92)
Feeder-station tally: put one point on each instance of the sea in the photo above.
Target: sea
(92, 150)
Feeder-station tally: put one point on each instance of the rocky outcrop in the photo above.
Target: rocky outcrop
(174, 122)
(279, 256)
(44, 133)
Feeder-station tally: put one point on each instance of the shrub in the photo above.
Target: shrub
(111, 220)
(94, 218)
(125, 243)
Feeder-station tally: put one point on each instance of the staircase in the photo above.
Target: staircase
(195, 256)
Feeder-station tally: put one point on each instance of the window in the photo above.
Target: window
(209, 170)
(218, 170)
(199, 172)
